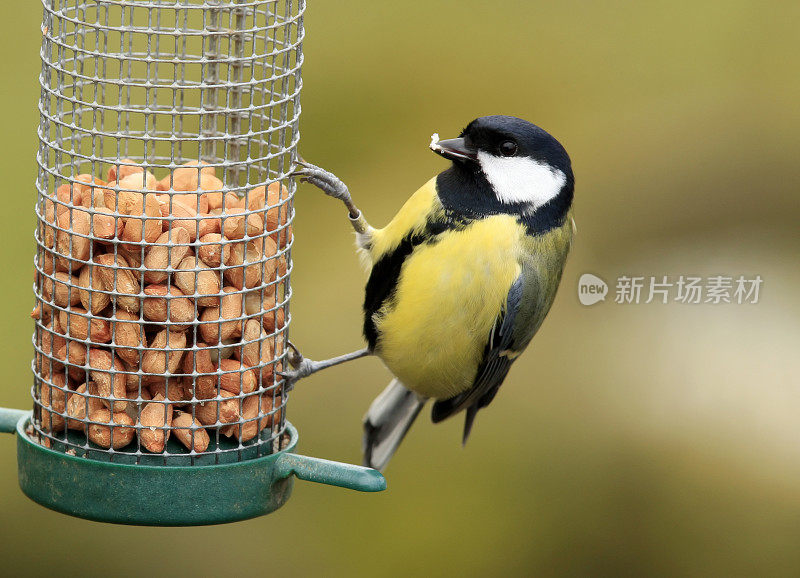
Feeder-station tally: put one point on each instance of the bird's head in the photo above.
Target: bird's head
(522, 163)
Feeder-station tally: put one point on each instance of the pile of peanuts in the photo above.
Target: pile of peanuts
(160, 311)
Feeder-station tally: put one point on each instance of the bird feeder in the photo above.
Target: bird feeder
(168, 132)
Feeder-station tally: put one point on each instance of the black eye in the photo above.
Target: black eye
(508, 148)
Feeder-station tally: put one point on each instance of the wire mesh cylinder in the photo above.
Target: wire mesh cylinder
(168, 130)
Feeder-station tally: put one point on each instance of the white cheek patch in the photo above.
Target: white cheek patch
(521, 179)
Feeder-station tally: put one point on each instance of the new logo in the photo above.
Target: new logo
(591, 289)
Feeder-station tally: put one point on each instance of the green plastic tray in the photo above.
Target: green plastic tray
(158, 495)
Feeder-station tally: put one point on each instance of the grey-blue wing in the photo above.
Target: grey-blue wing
(501, 350)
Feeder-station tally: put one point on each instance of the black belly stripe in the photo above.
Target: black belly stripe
(381, 286)
(385, 274)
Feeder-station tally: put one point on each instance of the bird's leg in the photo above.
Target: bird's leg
(332, 186)
(304, 367)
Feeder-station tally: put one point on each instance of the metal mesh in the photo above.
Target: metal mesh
(162, 288)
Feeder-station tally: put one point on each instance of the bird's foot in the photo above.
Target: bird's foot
(333, 186)
(303, 367)
(324, 180)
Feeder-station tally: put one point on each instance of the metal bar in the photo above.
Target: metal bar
(331, 473)
(9, 418)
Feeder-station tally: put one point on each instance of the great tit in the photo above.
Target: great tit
(462, 277)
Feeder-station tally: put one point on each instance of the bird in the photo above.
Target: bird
(461, 279)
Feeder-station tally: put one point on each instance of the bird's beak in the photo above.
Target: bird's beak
(453, 149)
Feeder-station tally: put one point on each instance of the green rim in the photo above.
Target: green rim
(158, 495)
(153, 495)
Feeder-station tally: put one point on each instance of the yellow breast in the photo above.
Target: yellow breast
(433, 333)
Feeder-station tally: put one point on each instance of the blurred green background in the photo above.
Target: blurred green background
(657, 440)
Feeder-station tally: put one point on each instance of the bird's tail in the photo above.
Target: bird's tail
(387, 421)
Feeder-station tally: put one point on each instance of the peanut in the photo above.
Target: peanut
(45, 262)
(185, 178)
(60, 330)
(171, 388)
(90, 295)
(40, 314)
(86, 184)
(135, 383)
(272, 318)
(155, 416)
(274, 199)
(256, 345)
(147, 230)
(136, 404)
(62, 290)
(217, 199)
(165, 353)
(78, 403)
(95, 198)
(200, 361)
(212, 251)
(57, 345)
(74, 239)
(67, 194)
(254, 300)
(193, 278)
(226, 407)
(185, 217)
(225, 352)
(54, 397)
(78, 325)
(127, 336)
(181, 309)
(241, 273)
(123, 202)
(259, 350)
(45, 337)
(73, 355)
(107, 380)
(104, 225)
(237, 378)
(125, 168)
(212, 329)
(283, 237)
(47, 231)
(106, 435)
(250, 411)
(190, 433)
(237, 222)
(78, 193)
(234, 201)
(197, 201)
(170, 249)
(141, 181)
(133, 256)
(116, 277)
(210, 224)
(132, 381)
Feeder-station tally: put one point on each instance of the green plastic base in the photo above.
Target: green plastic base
(153, 495)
